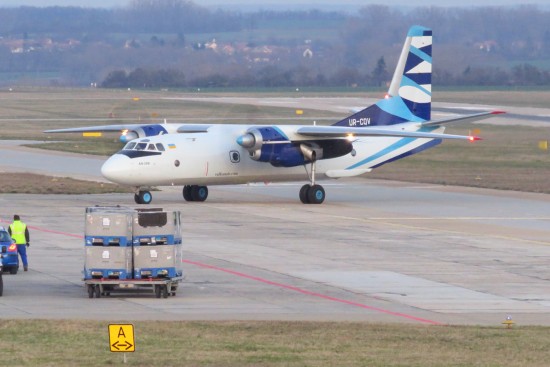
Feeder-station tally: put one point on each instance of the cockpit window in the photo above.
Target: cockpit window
(145, 145)
(141, 146)
(130, 146)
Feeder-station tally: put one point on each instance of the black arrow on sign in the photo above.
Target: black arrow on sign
(116, 345)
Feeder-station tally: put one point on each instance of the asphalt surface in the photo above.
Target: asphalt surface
(375, 251)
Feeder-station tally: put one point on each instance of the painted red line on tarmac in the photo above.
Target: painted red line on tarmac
(48, 230)
(280, 285)
(309, 293)
(55, 232)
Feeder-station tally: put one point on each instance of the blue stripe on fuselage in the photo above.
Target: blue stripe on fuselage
(138, 153)
(397, 145)
(418, 149)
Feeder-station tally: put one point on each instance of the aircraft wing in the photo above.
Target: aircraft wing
(180, 128)
(104, 128)
(465, 118)
(134, 131)
(343, 131)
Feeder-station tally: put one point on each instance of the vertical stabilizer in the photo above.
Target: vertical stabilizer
(410, 94)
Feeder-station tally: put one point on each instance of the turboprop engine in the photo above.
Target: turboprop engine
(269, 144)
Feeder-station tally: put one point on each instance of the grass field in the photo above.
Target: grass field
(29, 183)
(86, 343)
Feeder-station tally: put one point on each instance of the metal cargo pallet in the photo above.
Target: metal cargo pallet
(104, 287)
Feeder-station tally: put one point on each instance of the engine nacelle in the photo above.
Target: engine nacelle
(252, 140)
(127, 136)
(142, 131)
(269, 144)
(311, 153)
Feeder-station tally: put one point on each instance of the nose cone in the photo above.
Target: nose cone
(118, 169)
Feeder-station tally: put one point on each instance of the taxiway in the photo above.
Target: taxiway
(375, 251)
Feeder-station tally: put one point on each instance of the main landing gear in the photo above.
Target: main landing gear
(195, 193)
(312, 193)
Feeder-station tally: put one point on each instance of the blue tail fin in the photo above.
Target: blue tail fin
(410, 95)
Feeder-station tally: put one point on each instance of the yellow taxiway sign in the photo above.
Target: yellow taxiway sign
(121, 338)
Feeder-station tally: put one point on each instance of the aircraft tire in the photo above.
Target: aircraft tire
(199, 193)
(303, 194)
(316, 194)
(145, 197)
(187, 193)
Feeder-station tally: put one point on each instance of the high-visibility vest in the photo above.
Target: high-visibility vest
(18, 232)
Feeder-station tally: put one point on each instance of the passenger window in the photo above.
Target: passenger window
(160, 147)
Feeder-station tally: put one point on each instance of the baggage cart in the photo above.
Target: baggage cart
(105, 287)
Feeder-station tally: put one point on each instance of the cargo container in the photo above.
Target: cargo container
(132, 249)
(108, 243)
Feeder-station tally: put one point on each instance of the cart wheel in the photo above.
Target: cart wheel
(164, 291)
(97, 291)
(90, 291)
(157, 291)
(173, 294)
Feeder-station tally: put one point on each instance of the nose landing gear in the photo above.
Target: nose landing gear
(143, 197)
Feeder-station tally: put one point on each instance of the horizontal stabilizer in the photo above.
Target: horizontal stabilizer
(465, 118)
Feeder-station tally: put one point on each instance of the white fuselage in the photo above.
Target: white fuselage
(215, 158)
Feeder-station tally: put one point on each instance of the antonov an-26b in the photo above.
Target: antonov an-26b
(198, 155)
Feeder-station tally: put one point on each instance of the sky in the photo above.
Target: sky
(278, 4)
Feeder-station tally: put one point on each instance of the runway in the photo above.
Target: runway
(375, 251)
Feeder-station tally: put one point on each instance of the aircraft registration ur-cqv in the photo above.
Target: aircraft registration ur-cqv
(197, 155)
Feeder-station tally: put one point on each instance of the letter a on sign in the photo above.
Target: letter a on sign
(121, 338)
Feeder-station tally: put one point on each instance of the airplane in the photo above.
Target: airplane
(198, 155)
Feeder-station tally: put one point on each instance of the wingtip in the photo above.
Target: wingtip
(498, 112)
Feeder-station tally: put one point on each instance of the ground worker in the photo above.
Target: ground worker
(20, 233)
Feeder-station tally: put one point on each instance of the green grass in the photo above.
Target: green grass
(30, 183)
(102, 147)
(273, 343)
(506, 156)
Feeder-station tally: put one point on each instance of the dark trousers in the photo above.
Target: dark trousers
(22, 249)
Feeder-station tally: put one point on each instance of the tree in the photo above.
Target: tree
(380, 73)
